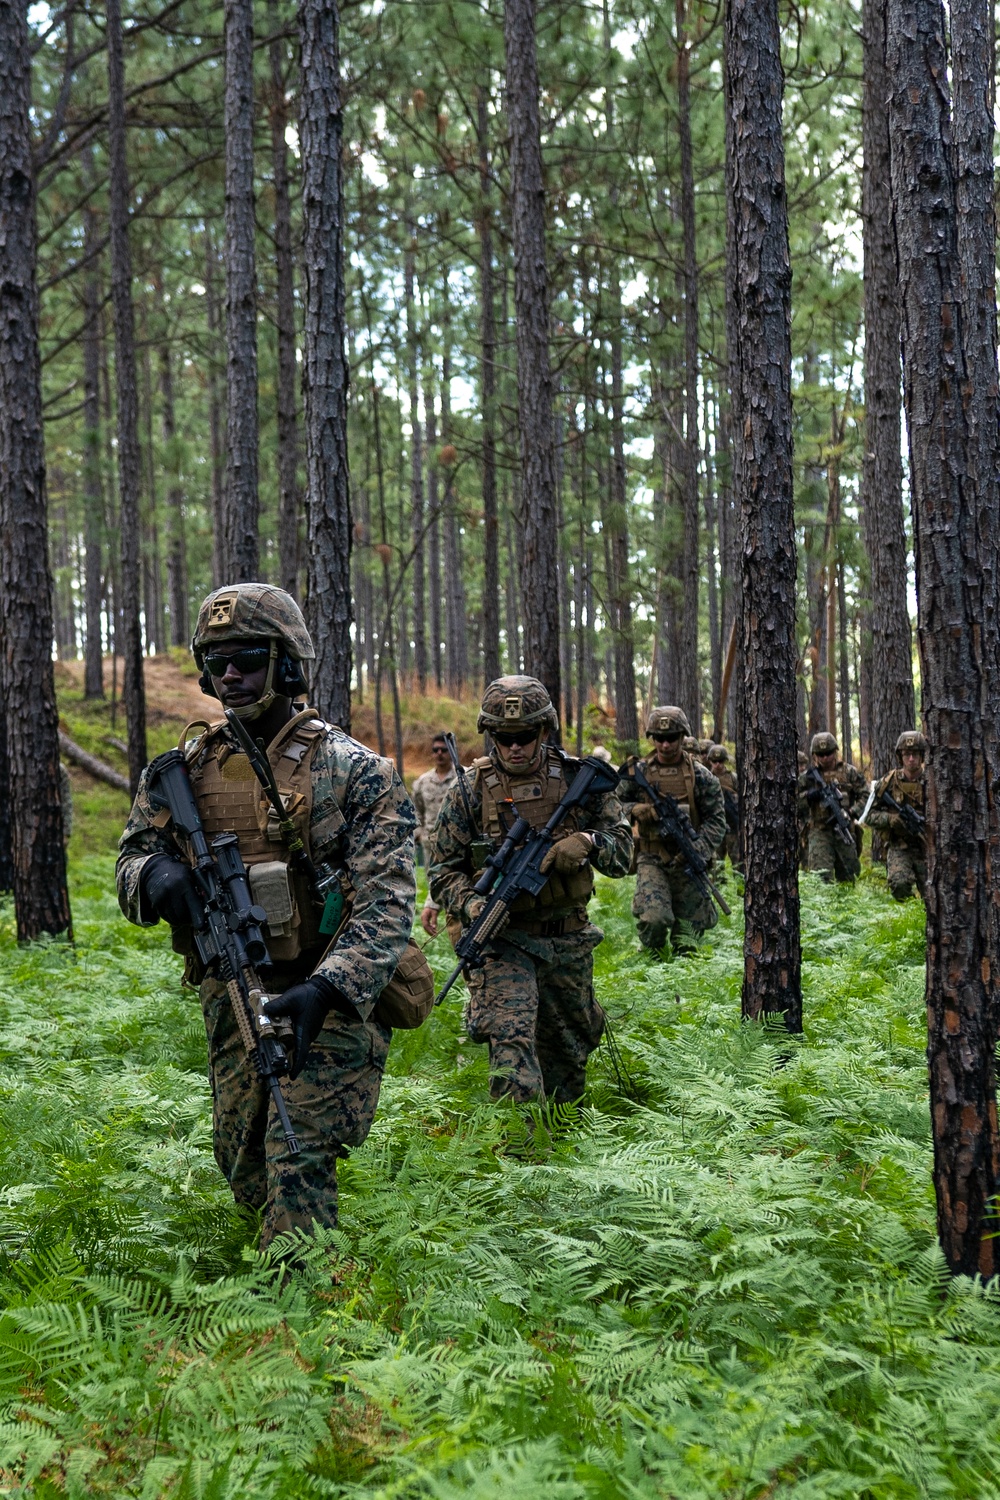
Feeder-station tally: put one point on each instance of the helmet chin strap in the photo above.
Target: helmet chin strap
(257, 710)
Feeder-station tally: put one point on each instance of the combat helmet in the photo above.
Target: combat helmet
(516, 703)
(256, 612)
(910, 739)
(823, 743)
(667, 716)
(717, 752)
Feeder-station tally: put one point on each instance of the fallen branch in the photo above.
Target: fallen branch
(90, 763)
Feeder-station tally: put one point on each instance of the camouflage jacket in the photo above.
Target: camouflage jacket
(429, 791)
(708, 800)
(374, 845)
(851, 785)
(452, 875)
(907, 793)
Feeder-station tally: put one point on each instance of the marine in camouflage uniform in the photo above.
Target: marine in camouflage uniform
(906, 855)
(533, 1001)
(667, 904)
(826, 853)
(718, 764)
(353, 813)
(429, 791)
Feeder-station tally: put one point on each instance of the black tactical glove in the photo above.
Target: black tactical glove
(306, 1006)
(167, 887)
(813, 795)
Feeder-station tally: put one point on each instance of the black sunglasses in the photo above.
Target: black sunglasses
(515, 737)
(439, 749)
(247, 659)
(666, 739)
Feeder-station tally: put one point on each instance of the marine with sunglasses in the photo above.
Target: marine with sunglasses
(533, 1001)
(353, 813)
(667, 905)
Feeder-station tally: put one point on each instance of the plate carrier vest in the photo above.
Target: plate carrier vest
(231, 800)
(536, 795)
(679, 782)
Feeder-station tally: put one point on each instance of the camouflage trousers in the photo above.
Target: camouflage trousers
(331, 1105)
(905, 869)
(538, 1013)
(667, 905)
(830, 857)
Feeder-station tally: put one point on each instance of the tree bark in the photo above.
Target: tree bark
(892, 704)
(488, 337)
(325, 375)
(215, 414)
(133, 688)
(288, 445)
(760, 337)
(240, 555)
(93, 501)
(31, 729)
(434, 529)
(416, 464)
(534, 377)
(947, 318)
(689, 684)
(176, 555)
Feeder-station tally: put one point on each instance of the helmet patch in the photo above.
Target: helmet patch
(512, 707)
(222, 609)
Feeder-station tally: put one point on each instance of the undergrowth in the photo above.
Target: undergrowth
(716, 1278)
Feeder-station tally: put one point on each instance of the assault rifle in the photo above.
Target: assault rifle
(515, 867)
(459, 769)
(227, 927)
(821, 790)
(675, 827)
(914, 823)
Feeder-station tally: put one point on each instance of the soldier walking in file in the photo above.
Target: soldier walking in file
(667, 904)
(352, 812)
(906, 855)
(718, 764)
(828, 853)
(429, 792)
(533, 1001)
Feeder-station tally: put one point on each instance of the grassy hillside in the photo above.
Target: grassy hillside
(728, 1289)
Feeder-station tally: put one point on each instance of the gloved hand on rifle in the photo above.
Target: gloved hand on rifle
(472, 909)
(307, 1006)
(167, 888)
(568, 855)
(644, 812)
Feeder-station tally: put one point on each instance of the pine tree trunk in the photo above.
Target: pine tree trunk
(176, 559)
(434, 530)
(31, 729)
(540, 582)
(892, 707)
(326, 373)
(240, 554)
(127, 593)
(488, 336)
(215, 414)
(760, 337)
(689, 686)
(416, 466)
(956, 542)
(288, 446)
(93, 498)
(458, 660)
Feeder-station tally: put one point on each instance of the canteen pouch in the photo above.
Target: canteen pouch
(271, 888)
(408, 998)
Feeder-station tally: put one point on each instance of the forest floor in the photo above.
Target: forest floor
(716, 1278)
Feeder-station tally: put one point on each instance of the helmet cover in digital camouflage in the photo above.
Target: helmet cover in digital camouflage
(667, 717)
(516, 703)
(823, 743)
(718, 752)
(252, 612)
(911, 739)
